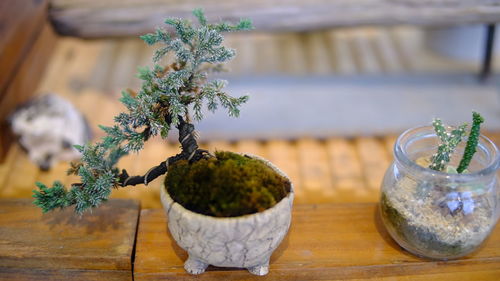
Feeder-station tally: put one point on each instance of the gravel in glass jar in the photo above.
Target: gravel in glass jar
(439, 215)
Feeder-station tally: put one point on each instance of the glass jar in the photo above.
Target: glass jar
(439, 215)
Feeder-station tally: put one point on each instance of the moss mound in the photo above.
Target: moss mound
(228, 185)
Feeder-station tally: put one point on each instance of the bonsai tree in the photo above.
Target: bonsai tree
(168, 96)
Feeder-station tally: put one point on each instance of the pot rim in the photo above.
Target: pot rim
(288, 199)
(401, 156)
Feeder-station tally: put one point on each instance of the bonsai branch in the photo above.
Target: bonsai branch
(161, 169)
(190, 152)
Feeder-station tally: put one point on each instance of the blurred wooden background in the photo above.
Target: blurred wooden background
(91, 74)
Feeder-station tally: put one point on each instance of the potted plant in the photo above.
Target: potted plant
(441, 204)
(224, 209)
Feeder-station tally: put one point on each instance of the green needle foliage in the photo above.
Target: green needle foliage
(472, 142)
(169, 91)
(450, 140)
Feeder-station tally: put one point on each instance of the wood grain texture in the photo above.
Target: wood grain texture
(325, 242)
(61, 244)
(16, 185)
(284, 155)
(21, 22)
(217, 145)
(97, 18)
(7, 164)
(374, 160)
(316, 178)
(251, 147)
(346, 171)
(23, 274)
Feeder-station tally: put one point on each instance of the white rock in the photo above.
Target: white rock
(47, 128)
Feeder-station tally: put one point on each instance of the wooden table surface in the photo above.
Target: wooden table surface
(325, 242)
(64, 246)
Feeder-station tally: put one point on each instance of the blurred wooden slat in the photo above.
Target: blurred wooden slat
(365, 55)
(81, 59)
(31, 67)
(21, 23)
(344, 55)
(218, 145)
(389, 142)
(494, 137)
(387, 52)
(316, 178)
(59, 60)
(345, 168)
(392, 50)
(22, 85)
(20, 181)
(374, 160)
(7, 164)
(245, 60)
(292, 55)
(266, 53)
(409, 48)
(319, 61)
(125, 65)
(108, 108)
(339, 170)
(284, 155)
(252, 147)
(100, 77)
(97, 18)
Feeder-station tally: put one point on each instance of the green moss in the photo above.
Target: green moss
(228, 185)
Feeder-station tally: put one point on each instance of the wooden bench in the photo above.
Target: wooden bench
(64, 246)
(104, 18)
(325, 242)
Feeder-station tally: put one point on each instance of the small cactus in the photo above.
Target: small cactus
(450, 140)
(472, 141)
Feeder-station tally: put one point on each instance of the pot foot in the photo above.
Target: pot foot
(195, 266)
(260, 270)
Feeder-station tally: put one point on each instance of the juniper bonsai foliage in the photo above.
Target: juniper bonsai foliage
(450, 140)
(169, 92)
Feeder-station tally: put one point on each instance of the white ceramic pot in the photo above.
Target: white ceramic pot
(245, 242)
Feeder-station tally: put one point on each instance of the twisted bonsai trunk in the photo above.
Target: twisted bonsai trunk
(190, 152)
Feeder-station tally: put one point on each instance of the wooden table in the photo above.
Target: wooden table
(64, 246)
(325, 242)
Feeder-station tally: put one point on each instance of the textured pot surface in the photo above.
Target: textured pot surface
(246, 241)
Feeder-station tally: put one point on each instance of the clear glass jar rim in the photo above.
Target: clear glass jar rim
(401, 156)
